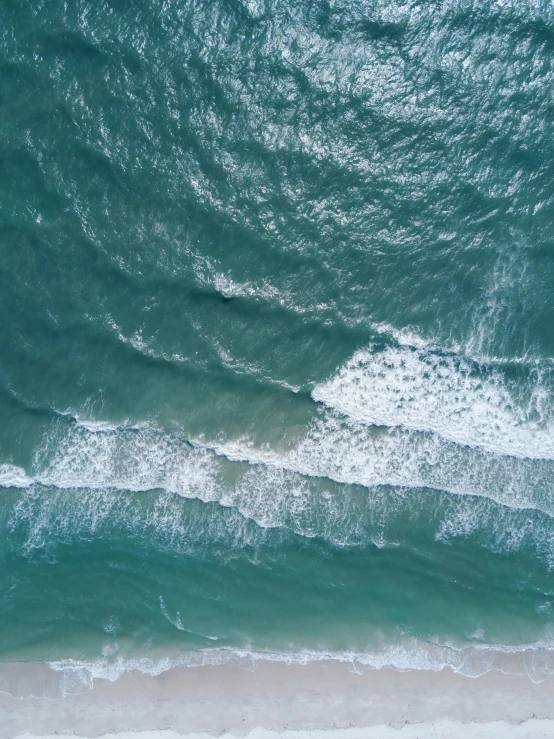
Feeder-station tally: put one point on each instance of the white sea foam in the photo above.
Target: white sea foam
(229, 288)
(442, 416)
(351, 453)
(294, 489)
(261, 290)
(334, 450)
(445, 395)
(405, 336)
(12, 476)
(142, 345)
(127, 459)
(473, 349)
(500, 309)
(74, 676)
(295, 486)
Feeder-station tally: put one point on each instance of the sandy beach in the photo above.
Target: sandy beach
(288, 700)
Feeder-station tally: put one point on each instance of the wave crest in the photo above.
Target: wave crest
(459, 400)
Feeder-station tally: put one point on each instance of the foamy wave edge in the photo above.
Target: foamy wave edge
(70, 676)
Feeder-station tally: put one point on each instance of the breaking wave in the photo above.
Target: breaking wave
(69, 677)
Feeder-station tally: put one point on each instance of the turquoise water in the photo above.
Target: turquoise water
(276, 358)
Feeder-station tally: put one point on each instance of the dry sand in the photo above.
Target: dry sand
(294, 701)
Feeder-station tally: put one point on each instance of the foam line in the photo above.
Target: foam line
(535, 661)
(461, 401)
(300, 488)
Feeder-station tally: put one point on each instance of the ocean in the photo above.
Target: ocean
(277, 334)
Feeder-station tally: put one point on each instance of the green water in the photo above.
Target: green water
(277, 310)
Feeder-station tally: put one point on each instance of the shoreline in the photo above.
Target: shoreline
(284, 699)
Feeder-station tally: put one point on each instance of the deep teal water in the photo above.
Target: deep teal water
(277, 310)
